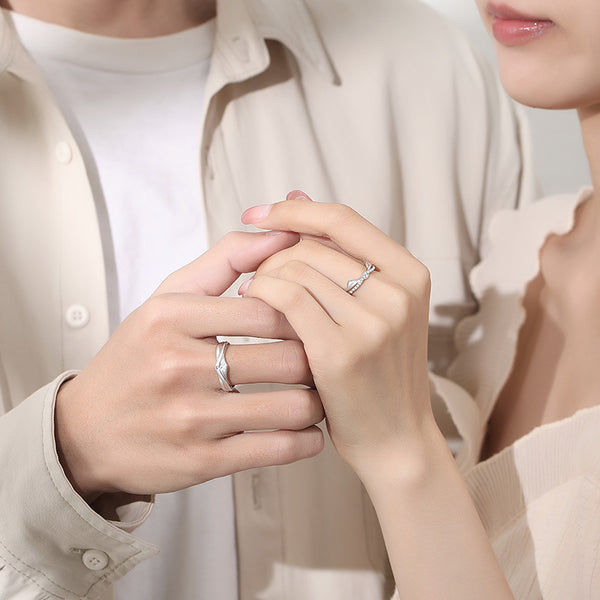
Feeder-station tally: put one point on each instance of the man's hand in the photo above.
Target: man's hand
(147, 414)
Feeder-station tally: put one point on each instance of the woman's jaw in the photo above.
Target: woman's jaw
(548, 50)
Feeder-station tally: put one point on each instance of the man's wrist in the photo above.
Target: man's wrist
(79, 474)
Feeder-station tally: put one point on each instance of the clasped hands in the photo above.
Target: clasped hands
(147, 414)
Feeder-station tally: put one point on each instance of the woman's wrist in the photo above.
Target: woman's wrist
(407, 462)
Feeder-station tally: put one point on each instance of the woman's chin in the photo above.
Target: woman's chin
(533, 92)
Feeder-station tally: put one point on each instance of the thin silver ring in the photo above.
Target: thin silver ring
(222, 368)
(353, 284)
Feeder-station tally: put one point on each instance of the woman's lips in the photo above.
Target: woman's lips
(512, 28)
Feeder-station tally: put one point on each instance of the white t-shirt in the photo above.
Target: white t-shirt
(135, 108)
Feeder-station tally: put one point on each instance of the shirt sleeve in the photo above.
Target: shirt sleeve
(52, 543)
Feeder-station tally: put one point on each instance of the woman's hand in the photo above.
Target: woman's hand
(367, 351)
(368, 356)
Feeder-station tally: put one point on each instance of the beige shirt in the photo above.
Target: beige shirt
(380, 105)
(539, 498)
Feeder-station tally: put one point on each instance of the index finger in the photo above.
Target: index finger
(236, 253)
(337, 222)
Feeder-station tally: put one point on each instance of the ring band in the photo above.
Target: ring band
(354, 284)
(222, 368)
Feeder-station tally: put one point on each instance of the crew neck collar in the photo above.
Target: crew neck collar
(126, 55)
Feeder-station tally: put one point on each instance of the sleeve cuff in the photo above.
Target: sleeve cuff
(48, 533)
(463, 411)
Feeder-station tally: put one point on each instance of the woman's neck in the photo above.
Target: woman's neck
(589, 118)
(119, 18)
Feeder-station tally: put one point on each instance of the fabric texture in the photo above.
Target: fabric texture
(329, 97)
(539, 497)
(134, 108)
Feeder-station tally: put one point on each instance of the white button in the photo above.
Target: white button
(77, 316)
(95, 560)
(64, 154)
(241, 49)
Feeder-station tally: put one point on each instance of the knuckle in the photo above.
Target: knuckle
(401, 305)
(193, 420)
(231, 238)
(266, 316)
(423, 280)
(295, 445)
(291, 446)
(294, 270)
(286, 448)
(294, 297)
(376, 336)
(343, 213)
(304, 410)
(183, 416)
(199, 465)
(169, 367)
(381, 331)
(157, 312)
(293, 361)
(271, 262)
(347, 358)
(377, 331)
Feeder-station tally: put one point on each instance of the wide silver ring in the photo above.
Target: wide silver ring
(222, 368)
(353, 284)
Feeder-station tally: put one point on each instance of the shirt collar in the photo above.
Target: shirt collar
(13, 57)
(8, 41)
(243, 26)
(291, 23)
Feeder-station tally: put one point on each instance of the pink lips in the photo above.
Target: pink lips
(512, 28)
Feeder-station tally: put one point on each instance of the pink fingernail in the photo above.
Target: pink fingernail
(244, 287)
(297, 195)
(256, 214)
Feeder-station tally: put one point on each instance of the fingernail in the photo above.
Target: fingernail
(244, 287)
(256, 214)
(275, 232)
(297, 195)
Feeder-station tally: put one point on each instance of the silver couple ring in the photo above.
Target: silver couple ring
(222, 368)
(353, 284)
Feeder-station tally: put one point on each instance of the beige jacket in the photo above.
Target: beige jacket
(376, 104)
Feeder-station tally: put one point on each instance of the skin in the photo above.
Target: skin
(115, 18)
(149, 403)
(374, 386)
(367, 352)
(368, 357)
(562, 325)
(568, 54)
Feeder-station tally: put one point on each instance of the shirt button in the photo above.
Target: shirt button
(95, 560)
(241, 49)
(64, 154)
(77, 316)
